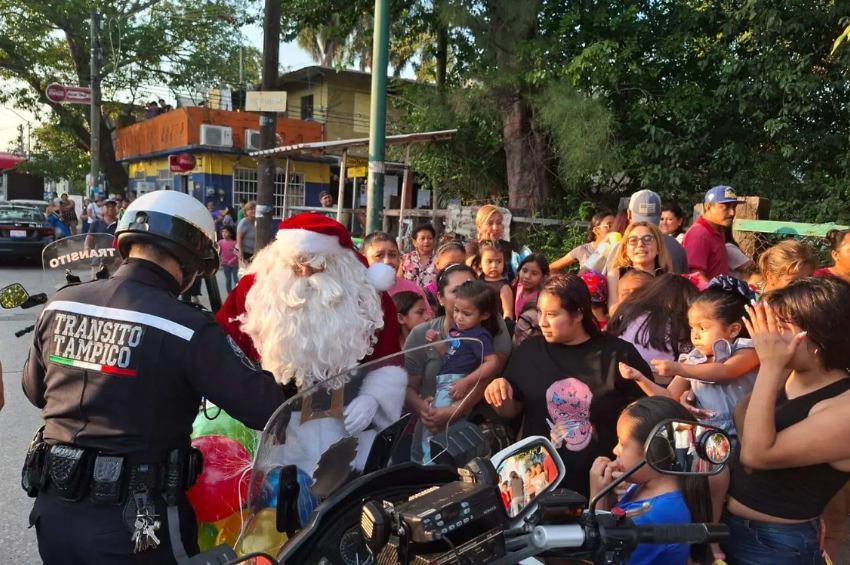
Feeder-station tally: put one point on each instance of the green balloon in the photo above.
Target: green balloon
(224, 425)
(207, 534)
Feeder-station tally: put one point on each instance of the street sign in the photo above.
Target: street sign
(356, 172)
(71, 94)
(356, 162)
(182, 163)
(265, 101)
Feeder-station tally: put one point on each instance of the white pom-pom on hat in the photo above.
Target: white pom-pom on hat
(381, 276)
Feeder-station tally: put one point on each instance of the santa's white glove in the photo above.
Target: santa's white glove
(360, 413)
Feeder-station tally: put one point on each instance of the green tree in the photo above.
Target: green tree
(180, 44)
(57, 154)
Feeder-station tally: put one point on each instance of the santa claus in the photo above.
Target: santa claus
(309, 308)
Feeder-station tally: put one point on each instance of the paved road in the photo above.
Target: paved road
(19, 420)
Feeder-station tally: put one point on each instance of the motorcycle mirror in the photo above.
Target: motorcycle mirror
(682, 447)
(13, 296)
(527, 470)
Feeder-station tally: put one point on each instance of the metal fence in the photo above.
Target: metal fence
(761, 235)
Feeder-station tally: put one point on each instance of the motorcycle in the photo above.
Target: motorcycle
(388, 493)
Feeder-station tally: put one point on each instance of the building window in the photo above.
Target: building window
(164, 177)
(140, 175)
(307, 107)
(245, 188)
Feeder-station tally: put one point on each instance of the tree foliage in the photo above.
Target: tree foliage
(178, 44)
(56, 155)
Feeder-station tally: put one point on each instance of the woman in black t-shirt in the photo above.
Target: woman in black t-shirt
(566, 383)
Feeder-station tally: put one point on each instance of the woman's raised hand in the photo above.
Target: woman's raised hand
(498, 392)
(775, 341)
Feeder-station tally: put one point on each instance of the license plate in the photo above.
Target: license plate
(18, 233)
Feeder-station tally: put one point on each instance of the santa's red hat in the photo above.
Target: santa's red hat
(312, 232)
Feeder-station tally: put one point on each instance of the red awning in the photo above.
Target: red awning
(10, 160)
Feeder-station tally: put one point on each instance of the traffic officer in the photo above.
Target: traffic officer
(118, 368)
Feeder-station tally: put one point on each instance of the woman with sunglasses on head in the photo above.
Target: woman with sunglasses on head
(423, 365)
(600, 226)
(643, 248)
(565, 382)
(793, 428)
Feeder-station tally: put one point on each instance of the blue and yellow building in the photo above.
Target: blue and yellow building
(220, 141)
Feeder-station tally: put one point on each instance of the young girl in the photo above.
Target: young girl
(476, 318)
(229, 258)
(450, 252)
(491, 257)
(412, 310)
(533, 270)
(600, 227)
(720, 370)
(380, 247)
(672, 499)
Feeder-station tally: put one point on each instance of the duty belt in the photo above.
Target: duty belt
(72, 472)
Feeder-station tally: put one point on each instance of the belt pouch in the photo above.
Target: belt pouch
(108, 480)
(69, 471)
(34, 473)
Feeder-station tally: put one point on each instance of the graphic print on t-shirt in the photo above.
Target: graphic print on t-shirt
(568, 402)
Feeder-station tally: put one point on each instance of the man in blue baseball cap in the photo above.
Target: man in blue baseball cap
(705, 242)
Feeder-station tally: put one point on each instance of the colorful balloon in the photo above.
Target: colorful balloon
(306, 501)
(207, 534)
(222, 488)
(224, 425)
(231, 527)
(261, 534)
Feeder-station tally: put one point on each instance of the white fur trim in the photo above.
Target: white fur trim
(387, 385)
(295, 242)
(381, 276)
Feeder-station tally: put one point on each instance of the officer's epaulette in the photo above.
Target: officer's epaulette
(200, 307)
(68, 285)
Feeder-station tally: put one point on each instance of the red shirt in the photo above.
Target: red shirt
(706, 249)
(823, 272)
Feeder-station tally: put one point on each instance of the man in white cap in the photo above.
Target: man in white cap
(645, 206)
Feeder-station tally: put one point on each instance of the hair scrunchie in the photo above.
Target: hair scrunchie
(731, 284)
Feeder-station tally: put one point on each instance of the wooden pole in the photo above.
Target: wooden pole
(341, 196)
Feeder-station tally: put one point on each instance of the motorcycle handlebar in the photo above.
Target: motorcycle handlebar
(24, 331)
(682, 533)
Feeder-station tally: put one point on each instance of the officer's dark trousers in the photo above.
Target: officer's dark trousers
(82, 533)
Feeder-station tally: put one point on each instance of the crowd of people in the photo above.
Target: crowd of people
(661, 321)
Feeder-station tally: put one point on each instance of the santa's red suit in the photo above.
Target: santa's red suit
(310, 308)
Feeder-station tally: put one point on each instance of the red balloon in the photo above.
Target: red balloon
(223, 486)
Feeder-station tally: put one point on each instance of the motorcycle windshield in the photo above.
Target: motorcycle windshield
(80, 256)
(349, 425)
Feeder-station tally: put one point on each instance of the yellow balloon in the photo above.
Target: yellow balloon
(230, 528)
(261, 534)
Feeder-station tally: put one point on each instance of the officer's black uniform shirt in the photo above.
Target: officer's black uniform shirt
(120, 366)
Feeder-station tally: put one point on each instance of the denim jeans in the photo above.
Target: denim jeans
(230, 279)
(762, 543)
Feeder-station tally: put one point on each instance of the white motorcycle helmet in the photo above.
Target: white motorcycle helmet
(175, 222)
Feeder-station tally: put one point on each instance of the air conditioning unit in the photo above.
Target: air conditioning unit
(252, 139)
(216, 136)
(143, 187)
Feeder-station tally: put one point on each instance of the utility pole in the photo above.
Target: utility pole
(94, 83)
(378, 122)
(21, 148)
(29, 139)
(266, 170)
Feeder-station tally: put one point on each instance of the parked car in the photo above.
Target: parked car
(41, 205)
(24, 231)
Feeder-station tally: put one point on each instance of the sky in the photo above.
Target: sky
(291, 57)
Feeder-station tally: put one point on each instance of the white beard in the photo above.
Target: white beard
(310, 328)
